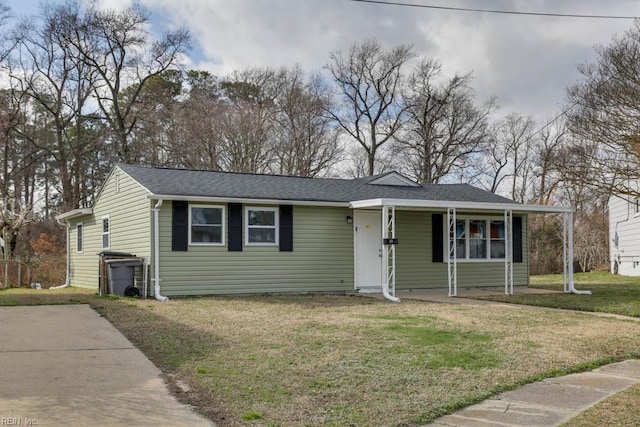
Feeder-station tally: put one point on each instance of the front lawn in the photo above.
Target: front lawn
(348, 360)
(610, 294)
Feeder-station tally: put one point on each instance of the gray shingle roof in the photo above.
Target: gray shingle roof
(199, 183)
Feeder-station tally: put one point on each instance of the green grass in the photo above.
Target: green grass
(434, 348)
(346, 360)
(610, 294)
(251, 416)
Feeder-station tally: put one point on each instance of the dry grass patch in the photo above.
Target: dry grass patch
(347, 360)
(621, 410)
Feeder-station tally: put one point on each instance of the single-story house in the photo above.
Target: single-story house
(624, 228)
(208, 232)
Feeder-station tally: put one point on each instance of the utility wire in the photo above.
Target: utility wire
(503, 12)
(566, 110)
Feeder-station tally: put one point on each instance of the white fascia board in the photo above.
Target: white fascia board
(443, 204)
(203, 199)
(74, 213)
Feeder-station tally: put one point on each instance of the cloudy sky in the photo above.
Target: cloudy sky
(527, 62)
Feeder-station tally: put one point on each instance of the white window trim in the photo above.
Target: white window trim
(466, 219)
(102, 233)
(81, 235)
(276, 226)
(223, 224)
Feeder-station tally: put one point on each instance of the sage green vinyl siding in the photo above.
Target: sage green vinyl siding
(415, 269)
(322, 259)
(130, 228)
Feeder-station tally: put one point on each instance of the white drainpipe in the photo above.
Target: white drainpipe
(568, 262)
(66, 282)
(387, 295)
(156, 252)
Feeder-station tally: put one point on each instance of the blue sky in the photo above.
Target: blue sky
(526, 62)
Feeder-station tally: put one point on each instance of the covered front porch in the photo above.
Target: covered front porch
(466, 245)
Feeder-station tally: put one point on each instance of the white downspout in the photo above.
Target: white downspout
(156, 252)
(68, 273)
(568, 255)
(387, 295)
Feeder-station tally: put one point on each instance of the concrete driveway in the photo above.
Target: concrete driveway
(66, 365)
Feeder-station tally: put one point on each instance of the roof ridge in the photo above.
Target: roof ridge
(181, 182)
(233, 172)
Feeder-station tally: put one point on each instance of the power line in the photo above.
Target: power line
(566, 110)
(503, 12)
(555, 119)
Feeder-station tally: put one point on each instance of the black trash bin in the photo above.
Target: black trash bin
(122, 273)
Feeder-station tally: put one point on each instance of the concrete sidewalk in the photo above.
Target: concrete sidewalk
(66, 365)
(550, 402)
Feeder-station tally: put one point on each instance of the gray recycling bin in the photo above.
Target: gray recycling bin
(122, 274)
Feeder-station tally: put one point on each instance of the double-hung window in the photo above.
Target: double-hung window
(106, 232)
(479, 239)
(206, 225)
(261, 226)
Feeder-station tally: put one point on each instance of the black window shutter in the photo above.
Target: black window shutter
(235, 227)
(517, 239)
(180, 225)
(286, 228)
(436, 235)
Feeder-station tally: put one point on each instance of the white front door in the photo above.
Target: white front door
(368, 250)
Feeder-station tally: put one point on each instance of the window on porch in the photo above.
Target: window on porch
(479, 239)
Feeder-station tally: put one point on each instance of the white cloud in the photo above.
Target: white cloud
(527, 62)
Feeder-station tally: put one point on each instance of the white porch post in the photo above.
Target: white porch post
(567, 251)
(389, 253)
(508, 252)
(452, 259)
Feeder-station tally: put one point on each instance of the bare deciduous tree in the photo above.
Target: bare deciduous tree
(591, 236)
(116, 45)
(368, 81)
(445, 130)
(605, 115)
(59, 84)
(306, 141)
(546, 162)
(508, 166)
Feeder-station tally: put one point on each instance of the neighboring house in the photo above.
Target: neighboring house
(207, 232)
(624, 229)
